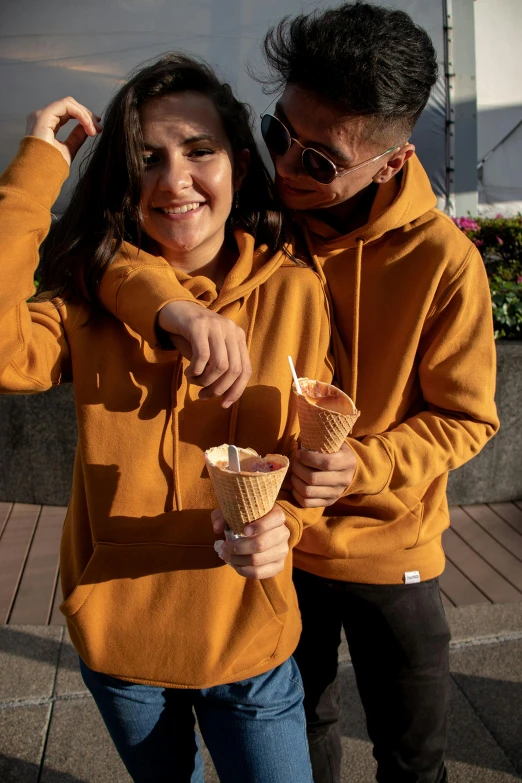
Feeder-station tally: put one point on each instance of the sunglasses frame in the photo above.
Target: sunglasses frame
(335, 171)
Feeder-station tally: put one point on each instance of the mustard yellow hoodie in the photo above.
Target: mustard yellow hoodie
(146, 597)
(413, 344)
(410, 298)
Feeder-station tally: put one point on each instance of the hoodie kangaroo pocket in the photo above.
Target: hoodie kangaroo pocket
(172, 615)
(366, 526)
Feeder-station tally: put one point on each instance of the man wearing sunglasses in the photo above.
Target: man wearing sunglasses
(413, 344)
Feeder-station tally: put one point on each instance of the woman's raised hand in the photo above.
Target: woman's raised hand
(215, 346)
(45, 124)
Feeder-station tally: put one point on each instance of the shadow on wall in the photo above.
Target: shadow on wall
(500, 177)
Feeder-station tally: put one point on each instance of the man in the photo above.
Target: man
(413, 339)
(413, 344)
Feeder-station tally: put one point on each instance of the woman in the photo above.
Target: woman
(175, 190)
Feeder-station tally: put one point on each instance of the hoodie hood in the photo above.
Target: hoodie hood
(402, 200)
(253, 267)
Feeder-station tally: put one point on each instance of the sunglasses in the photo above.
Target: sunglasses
(317, 165)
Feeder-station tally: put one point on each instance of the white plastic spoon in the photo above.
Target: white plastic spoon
(294, 375)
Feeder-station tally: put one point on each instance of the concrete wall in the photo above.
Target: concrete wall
(495, 475)
(38, 437)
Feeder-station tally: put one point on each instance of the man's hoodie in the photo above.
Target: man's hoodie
(413, 344)
(146, 597)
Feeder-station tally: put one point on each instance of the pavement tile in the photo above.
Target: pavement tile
(358, 764)
(491, 678)
(473, 754)
(68, 679)
(22, 737)
(468, 622)
(79, 749)
(210, 772)
(28, 658)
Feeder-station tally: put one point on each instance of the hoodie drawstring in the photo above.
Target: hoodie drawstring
(177, 377)
(356, 311)
(235, 407)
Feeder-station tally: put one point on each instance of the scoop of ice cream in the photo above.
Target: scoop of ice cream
(258, 465)
(331, 403)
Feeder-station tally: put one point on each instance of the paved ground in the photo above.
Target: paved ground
(50, 731)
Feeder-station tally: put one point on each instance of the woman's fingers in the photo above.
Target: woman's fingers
(218, 522)
(262, 553)
(75, 139)
(45, 123)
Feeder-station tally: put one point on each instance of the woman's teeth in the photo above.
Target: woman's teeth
(180, 210)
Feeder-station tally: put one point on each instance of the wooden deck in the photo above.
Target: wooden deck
(483, 548)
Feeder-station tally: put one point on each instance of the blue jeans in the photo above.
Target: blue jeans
(255, 730)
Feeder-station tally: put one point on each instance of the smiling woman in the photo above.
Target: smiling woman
(190, 176)
(174, 196)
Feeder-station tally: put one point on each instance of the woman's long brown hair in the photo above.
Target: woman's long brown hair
(104, 210)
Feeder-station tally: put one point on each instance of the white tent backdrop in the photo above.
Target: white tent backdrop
(53, 48)
(498, 35)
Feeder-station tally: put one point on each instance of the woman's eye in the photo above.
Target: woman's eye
(200, 152)
(149, 159)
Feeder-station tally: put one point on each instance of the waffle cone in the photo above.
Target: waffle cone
(323, 430)
(244, 496)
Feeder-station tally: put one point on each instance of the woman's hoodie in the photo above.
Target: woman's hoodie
(146, 597)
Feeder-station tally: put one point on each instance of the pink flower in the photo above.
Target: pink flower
(499, 215)
(500, 241)
(466, 223)
(478, 242)
(519, 279)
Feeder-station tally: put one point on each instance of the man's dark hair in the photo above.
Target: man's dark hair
(365, 59)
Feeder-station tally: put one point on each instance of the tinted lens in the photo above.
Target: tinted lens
(318, 167)
(275, 135)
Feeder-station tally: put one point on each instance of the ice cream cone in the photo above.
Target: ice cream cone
(321, 429)
(247, 495)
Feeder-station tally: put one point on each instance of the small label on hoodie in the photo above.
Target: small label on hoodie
(410, 577)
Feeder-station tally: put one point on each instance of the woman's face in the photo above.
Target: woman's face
(188, 183)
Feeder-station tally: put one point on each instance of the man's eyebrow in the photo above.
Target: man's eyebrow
(331, 151)
(189, 140)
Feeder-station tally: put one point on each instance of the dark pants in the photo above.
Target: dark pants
(399, 643)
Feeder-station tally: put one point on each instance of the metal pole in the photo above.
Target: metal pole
(449, 75)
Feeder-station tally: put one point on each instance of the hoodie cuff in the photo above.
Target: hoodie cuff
(293, 522)
(136, 294)
(374, 466)
(38, 170)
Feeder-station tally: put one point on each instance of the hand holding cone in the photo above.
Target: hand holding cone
(250, 494)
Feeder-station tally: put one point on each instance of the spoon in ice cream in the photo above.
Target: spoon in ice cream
(233, 459)
(294, 376)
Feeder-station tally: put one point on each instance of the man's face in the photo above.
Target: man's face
(347, 141)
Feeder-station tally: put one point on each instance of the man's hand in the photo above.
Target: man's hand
(216, 347)
(45, 124)
(321, 479)
(263, 550)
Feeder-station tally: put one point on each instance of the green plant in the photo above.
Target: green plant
(499, 240)
(506, 298)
